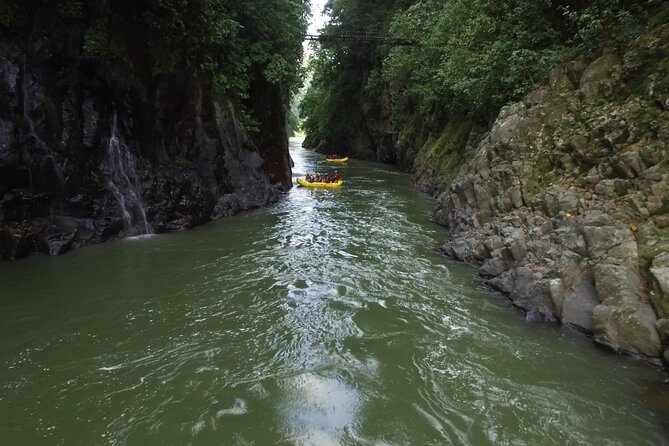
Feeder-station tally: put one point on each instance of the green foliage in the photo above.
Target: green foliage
(230, 43)
(473, 56)
(611, 21)
(247, 121)
(10, 13)
(293, 121)
(100, 44)
(447, 153)
(71, 9)
(347, 86)
(14, 14)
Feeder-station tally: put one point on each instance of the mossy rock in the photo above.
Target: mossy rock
(597, 80)
(446, 154)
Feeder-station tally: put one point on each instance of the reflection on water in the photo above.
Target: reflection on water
(328, 319)
(319, 409)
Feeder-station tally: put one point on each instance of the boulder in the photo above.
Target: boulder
(56, 240)
(599, 77)
(612, 244)
(627, 329)
(531, 292)
(493, 267)
(577, 307)
(629, 164)
(558, 199)
(514, 249)
(624, 320)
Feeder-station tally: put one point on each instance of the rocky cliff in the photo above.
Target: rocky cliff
(564, 203)
(89, 153)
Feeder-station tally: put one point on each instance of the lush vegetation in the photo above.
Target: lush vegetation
(471, 57)
(476, 55)
(347, 79)
(226, 41)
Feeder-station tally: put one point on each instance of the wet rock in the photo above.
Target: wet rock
(627, 329)
(577, 307)
(88, 158)
(6, 135)
(16, 241)
(91, 121)
(624, 321)
(493, 267)
(56, 241)
(531, 292)
(465, 250)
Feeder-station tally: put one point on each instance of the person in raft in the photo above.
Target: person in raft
(336, 177)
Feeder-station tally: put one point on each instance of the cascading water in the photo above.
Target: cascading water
(123, 183)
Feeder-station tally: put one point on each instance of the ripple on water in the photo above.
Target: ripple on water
(327, 319)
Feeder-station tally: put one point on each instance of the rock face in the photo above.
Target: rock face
(87, 156)
(564, 203)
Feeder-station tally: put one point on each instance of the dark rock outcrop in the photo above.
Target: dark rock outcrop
(88, 154)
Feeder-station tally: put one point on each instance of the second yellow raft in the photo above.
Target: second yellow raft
(337, 160)
(305, 183)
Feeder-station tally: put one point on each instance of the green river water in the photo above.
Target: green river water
(328, 319)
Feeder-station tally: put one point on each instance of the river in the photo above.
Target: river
(328, 319)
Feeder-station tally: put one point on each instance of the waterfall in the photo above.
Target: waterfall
(123, 183)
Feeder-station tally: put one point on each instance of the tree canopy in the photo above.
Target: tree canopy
(471, 58)
(230, 41)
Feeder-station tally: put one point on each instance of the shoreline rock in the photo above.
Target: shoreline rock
(564, 203)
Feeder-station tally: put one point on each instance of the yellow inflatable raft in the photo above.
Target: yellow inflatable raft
(337, 160)
(305, 183)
